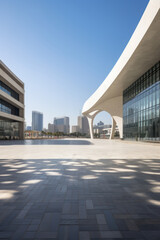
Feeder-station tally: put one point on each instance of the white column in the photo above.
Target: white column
(113, 128)
(90, 122)
(119, 122)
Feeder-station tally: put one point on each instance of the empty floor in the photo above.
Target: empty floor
(80, 190)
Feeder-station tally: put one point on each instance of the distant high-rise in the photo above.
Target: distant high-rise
(75, 129)
(28, 128)
(51, 128)
(37, 121)
(61, 124)
(83, 124)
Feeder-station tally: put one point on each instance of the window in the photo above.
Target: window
(8, 90)
(8, 108)
(141, 106)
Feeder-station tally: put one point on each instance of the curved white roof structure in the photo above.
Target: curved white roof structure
(141, 53)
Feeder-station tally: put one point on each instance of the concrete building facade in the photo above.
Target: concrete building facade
(11, 104)
(37, 121)
(131, 91)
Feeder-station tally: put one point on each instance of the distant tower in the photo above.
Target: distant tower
(62, 124)
(37, 121)
(83, 124)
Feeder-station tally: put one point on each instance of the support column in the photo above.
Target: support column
(113, 128)
(90, 122)
(119, 122)
(21, 130)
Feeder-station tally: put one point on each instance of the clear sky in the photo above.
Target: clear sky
(63, 49)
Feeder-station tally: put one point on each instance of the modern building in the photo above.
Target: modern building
(106, 132)
(100, 123)
(75, 129)
(37, 121)
(29, 128)
(61, 124)
(83, 125)
(51, 127)
(11, 104)
(99, 128)
(131, 91)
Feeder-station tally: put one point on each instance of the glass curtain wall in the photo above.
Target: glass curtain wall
(9, 129)
(141, 107)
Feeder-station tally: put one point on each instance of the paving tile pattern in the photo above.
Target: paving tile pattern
(81, 199)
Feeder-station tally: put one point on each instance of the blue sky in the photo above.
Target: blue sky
(63, 49)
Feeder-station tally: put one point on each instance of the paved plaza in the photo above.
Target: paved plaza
(77, 189)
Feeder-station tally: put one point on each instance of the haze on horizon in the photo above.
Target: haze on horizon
(63, 50)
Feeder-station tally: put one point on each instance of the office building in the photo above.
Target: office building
(28, 128)
(61, 124)
(11, 104)
(37, 121)
(75, 129)
(83, 124)
(51, 128)
(131, 91)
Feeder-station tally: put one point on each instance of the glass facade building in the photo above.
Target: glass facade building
(37, 121)
(9, 129)
(61, 121)
(61, 125)
(141, 107)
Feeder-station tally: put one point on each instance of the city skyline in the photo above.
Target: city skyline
(96, 120)
(63, 56)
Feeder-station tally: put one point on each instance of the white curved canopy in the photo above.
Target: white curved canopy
(140, 54)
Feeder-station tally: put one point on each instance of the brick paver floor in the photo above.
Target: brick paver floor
(105, 190)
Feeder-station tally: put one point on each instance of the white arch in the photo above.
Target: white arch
(141, 53)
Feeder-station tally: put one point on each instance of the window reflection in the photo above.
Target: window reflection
(141, 107)
(8, 90)
(9, 129)
(8, 108)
